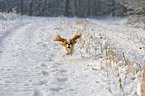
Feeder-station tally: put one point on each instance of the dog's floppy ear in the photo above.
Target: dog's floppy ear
(58, 38)
(76, 37)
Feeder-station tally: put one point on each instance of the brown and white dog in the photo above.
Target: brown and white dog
(67, 45)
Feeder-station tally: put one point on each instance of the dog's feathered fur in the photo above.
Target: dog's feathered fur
(67, 45)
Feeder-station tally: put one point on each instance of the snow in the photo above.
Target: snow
(31, 63)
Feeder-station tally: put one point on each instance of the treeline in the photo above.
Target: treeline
(80, 8)
(135, 12)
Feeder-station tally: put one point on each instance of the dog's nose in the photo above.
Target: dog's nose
(68, 46)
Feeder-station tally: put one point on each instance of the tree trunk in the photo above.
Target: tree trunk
(66, 8)
(22, 7)
(30, 9)
(113, 8)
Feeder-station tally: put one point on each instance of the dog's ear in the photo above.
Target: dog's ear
(58, 38)
(76, 37)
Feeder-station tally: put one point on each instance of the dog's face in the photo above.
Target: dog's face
(68, 44)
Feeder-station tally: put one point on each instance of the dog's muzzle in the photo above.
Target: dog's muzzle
(68, 45)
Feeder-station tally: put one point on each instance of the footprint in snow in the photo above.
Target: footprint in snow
(44, 65)
(42, 82)
(45, 73)
(56, 89)
(62, 71)
(37, 93)
(62, 79)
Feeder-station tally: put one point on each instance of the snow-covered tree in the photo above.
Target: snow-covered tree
(135, 11)
(134, 7)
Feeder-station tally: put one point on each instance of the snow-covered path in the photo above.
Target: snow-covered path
(31, 63)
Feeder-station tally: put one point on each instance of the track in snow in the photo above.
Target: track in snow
(31, 63)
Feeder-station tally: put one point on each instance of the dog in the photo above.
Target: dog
(67, 44)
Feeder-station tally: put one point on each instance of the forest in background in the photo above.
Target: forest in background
(79, 8)
(133, 9)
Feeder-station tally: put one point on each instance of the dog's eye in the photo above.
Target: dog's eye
(70, 43)
(66, 43)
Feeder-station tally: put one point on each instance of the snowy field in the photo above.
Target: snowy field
(107, 61)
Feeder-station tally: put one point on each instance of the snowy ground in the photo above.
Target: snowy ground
(31, 63)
